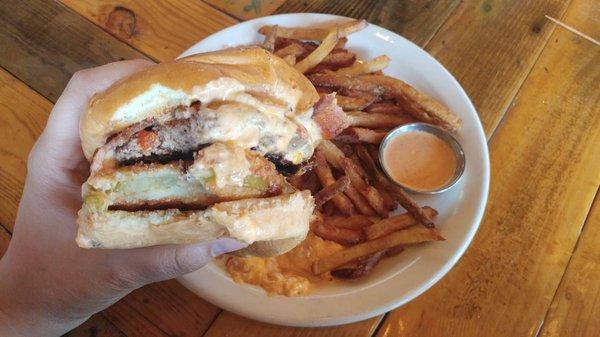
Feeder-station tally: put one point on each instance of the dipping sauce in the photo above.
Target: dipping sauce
(419, 160)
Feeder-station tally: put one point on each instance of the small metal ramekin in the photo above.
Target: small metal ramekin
(441, 134)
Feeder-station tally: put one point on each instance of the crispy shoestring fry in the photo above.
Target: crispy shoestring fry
(320, 53)
(318, 33)
(269, 43)
(330, 191)
(404, 199)
(377, 120)
(407, 236)
(366, 67)
(326, 178)
(386, 226)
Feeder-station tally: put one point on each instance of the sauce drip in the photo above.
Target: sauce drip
(419, 160)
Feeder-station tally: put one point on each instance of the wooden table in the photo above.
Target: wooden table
(534, 266)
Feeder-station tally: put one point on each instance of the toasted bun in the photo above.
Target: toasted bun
(271, 226)
(157, 89)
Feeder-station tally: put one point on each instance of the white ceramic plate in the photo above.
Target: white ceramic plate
(397, 280)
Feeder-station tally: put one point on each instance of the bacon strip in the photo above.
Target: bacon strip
(330, 117)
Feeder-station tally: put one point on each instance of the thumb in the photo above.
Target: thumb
(153, 264)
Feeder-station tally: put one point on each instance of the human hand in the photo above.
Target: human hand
(48, 285)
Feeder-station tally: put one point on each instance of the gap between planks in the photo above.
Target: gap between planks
(562, 277)
(520, 85)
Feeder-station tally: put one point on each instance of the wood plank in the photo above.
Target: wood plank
(545, 175)
(96, 326)
(44, 43)
(171, 307)
(130, 321)
(246, 9)
(4, 240)
(23, 114)
(416, 20)
(228, 324)
(160, 29)
(576, 306)
(490, 46)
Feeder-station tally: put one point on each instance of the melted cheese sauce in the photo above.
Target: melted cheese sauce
(288, 274)
(252, 121)
(228, 164)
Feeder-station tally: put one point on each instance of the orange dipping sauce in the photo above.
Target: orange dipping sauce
(419, 160)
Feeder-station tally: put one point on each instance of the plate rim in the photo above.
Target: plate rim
(430, 281)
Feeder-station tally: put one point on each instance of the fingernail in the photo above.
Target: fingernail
(225, 245)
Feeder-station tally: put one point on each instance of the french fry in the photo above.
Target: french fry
(366, 67)
(341, 43)
(290, 59)
(374, 152)
(317, 33)
(394, 223)
(371, 96)
(377, 120)
(394, 251)
(362, 268)
(357, 135)
(326, 178)
(407, 236)
(421, 106)
(329, 209)
(330, 191)
(369, 192)
(334, 61)
(388, 201)
(404, 199)
(359, 201)
(305, 181)
(282, 42)
(349, 103)
(386, 108)
(291, 49)
(269, 43)
(339, 58)
(338, 82)
(320, 53)
(335, 156)
(356, 221)
(343, 236)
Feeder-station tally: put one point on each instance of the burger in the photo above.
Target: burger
(199, 148)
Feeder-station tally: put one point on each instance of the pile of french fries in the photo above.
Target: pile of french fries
(353, 196)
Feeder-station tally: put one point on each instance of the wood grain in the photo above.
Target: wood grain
(171, 307)
(246, 9)
(131, 322)
(228, 324)
(44, 43)
(23, 114)
(576, 306)
(4, 240)
(544, 177)
(160, 29)
(165, 308)
(416, 20)
(490, 46)
(96, 326)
